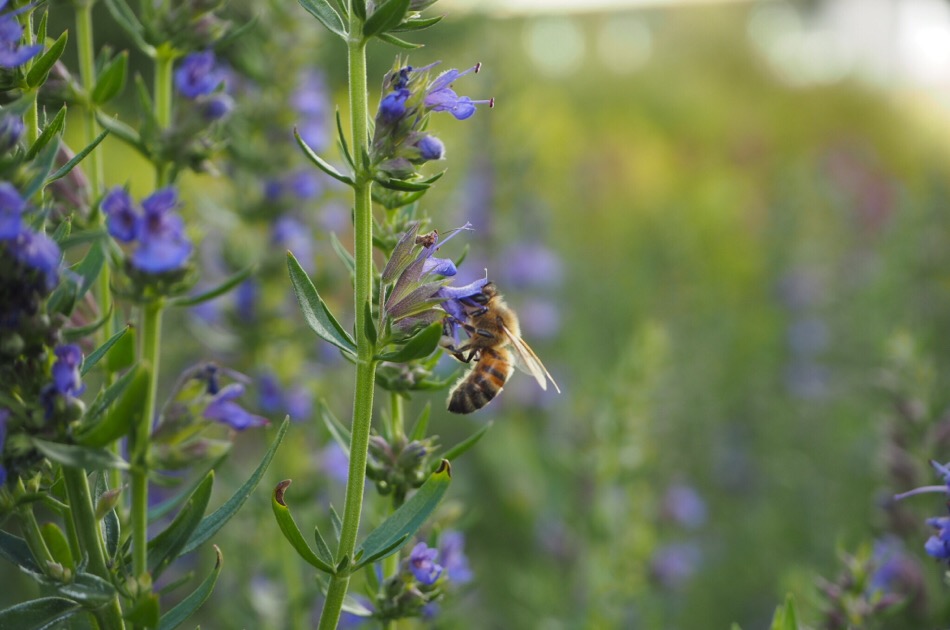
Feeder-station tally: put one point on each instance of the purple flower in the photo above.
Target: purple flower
(39, 252)
(222, 408)
(532, 265)
(12, 206)
(452, 550)
(122, 217)
(440, 97)
(393, 106)
(66, 378)
(217, 107)
(311, 102)
(245, 300)
(938, 545)
(163, 245)
(673, 565)
(335, 462)
(683, 505)
(304, 184)
(298, 401)
(431, 148)
(293, 235)
(11, 130)
(198, 75)
(422, 564)
(270, 397)
(12, 54)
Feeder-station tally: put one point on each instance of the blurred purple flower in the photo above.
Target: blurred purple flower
(12, 206)
(311, 101)
(683, 505)
(544, 316)
(938, 545)
(454, 561)
(304, 184)
(293, 235)
(198, 75)
(224, 409)
(11, 130)
(39, 252)
(245, 300)
(12, 54)
(673, 565)
(162, 244)
(531, 265)
(298, 402)
(422, 564)
(216, 107)
(335, 463)
(66, 378)
(808, 336)
(122, 219)
(270, 397)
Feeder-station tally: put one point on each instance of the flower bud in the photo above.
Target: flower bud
(430, 148)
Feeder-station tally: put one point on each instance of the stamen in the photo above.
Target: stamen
(921, 490)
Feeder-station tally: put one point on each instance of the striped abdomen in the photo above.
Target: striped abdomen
(482, 382)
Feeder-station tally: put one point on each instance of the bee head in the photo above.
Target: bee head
(488, 292)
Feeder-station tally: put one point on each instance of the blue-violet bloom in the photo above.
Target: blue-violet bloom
(454, 560)
(122, 219)
(12, 206)
(224, 409)
(12, 54)
(39, 252)
(198, 75)
(422, 564)
(66, 378)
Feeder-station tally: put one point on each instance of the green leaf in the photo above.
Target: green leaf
(417, 24)
(336, 521)
(89, 267)
(165, 507)
(64, 170)
(359, 9)
(342, 136)
(401, 43)
(125, 16)
(210, 524)
(421, 344)
(288, 527)
(75, 334)
(785, 616)
(110, 522)
(344, 255)
(322, 164)
(453, 453)
(325, 13)
(57, 544)
(99, 352)
(167, 545)
(402, 184)
(87, 589)
(323, 550)
(315, 310)
(422, 425)
(174, 617)
(100, 429)
(123, 132)
(49, 132)
(44, 63)
(111, 80)
(122, 354)
(145, 611)
(339, 432)
(406, 521)
(221, 289)
(15, 549)
(38, 613)
(369, 324)
(80, 456)
(42, 166)
(63, 230)
(385, 17)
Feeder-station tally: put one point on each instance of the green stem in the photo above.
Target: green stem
(164, 60)
(33, 536)
(151, 341)
(398, 416)
(87, 527)
(31, 119)
(365, 365)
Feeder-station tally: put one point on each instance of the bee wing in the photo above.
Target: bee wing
(527, 361)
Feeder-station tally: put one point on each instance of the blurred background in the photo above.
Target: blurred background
(724, 227)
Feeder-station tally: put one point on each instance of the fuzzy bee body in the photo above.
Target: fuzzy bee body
(496, 346)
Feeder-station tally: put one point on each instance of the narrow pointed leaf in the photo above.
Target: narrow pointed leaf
(322, 164)
(418, 24)
(402, 184)
(52, 128)
(125, 414)
(14, 549)
(339, 432)
(323, 550)
(343, 145)
(369, 324)
(58, 547)
(87, 589)
(111, 81)
(44, 63)
(80, 456)
(99, 352)
(326, 14)
(359, 9)
(422, 344)
(177, 615)
(385, 17)
(110, 522)
(336, 521)
(422, 425)
(406, 521)
(167, 545)
(42, 166)
(38, 613)
(75, 334)
(315, 310)
(125, 16)
(63, 231)
(123, 132)
(210, 524)
(166, 507)
(453, 453)
(217, 291)
(401, 43)
(89, 267)
(64, 170)
(105, 399)
(341, 251)
(382, 553)
(288, 527)
(785, 616)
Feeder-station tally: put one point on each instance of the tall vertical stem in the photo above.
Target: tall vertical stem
(164, 61)
(151, 342)
(365, 365)
(31, 119)
(87, 527)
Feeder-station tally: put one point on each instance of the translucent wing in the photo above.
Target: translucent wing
(527, 361)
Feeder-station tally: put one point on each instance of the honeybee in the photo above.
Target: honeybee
(496, 345)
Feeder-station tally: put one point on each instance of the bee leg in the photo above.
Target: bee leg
(478, 331)
(459, 353)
